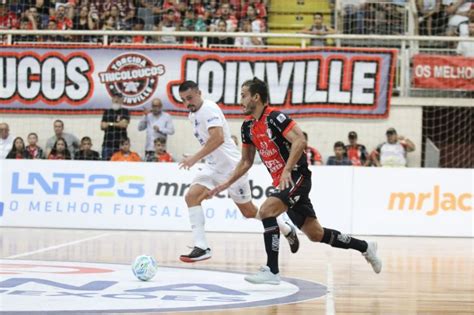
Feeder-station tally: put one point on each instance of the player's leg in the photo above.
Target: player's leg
(269, 211)
(241, 194)
(194, 197)
(334, 238)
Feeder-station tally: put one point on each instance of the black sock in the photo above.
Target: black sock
(336, 239)
(272, 243)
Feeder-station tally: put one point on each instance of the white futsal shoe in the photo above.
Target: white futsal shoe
(264, 276)
(371, 257)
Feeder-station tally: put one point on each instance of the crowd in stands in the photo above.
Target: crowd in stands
(384, 17)
(137, 15)
(116, 145)
(434, 17)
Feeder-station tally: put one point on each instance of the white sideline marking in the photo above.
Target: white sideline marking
(41, 250)
(330, 307)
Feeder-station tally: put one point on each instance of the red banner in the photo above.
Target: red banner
(443, 72)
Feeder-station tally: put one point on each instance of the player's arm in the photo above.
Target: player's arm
(245, 163)
(216, 138)
(295, 136)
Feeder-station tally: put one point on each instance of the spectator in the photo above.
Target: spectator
(157, 124)
(136, 24)
(225, 14)
(52, 26)
(150, 11)
(259, 7)
(357, 153)
(86, 152)
(318, 28)
(312, 155)
(62, 21)
(8, 19)
(393, 153)
(160, 154)
(86, 20)
(34, 19)
(192, 24)
(466, 49)
(457, 11)
(168, 24)
(114, 123)
(73, 141)
(33, 149)
(120, 9)
(258, 25)
(124, 154)
(339, 157)
(24, 22)
(18, 151)
(60, 151)
(6, 140)
(430, 17)
(221, 27)
(247, 41)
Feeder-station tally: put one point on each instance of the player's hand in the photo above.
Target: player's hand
(187, 162)
(217, 190)
(285, 180)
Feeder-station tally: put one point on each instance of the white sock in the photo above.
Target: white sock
(284, 228)
(196, 218)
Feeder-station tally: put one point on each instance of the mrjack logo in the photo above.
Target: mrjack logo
(134, 76)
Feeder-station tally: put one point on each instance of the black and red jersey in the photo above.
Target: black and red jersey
(267, 134)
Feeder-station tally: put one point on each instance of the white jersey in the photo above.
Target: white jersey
(226, 156)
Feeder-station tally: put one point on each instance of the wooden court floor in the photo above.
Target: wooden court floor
(419, 275)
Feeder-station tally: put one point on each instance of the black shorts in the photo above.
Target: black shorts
(297, 199)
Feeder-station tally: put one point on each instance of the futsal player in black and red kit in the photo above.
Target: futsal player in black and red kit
(281, 143)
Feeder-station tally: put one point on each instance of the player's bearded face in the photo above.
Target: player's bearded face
(191, 99)
(247, 101)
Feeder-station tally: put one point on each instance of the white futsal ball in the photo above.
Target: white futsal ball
(145, 267)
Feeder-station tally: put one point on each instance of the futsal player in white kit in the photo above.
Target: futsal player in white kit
(221, 156)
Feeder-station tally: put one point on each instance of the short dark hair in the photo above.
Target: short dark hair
(159, 140)
(33, 134)
(86, 138)
(318, 13)
(339, 144)
(186, 85)
(123, 140)
(59, 121)
(257, 86)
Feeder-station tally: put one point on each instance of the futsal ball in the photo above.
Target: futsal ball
(144, 267)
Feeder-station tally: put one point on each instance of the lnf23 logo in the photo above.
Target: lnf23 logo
(80, 287)
(98, 185)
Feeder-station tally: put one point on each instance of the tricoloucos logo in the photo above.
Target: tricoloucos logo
(134, 76)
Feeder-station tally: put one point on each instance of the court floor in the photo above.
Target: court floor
(419, 275)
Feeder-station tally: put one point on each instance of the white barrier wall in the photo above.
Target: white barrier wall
(323, 132)
(373, 201)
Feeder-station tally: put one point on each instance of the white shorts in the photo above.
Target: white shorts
(210, 178)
